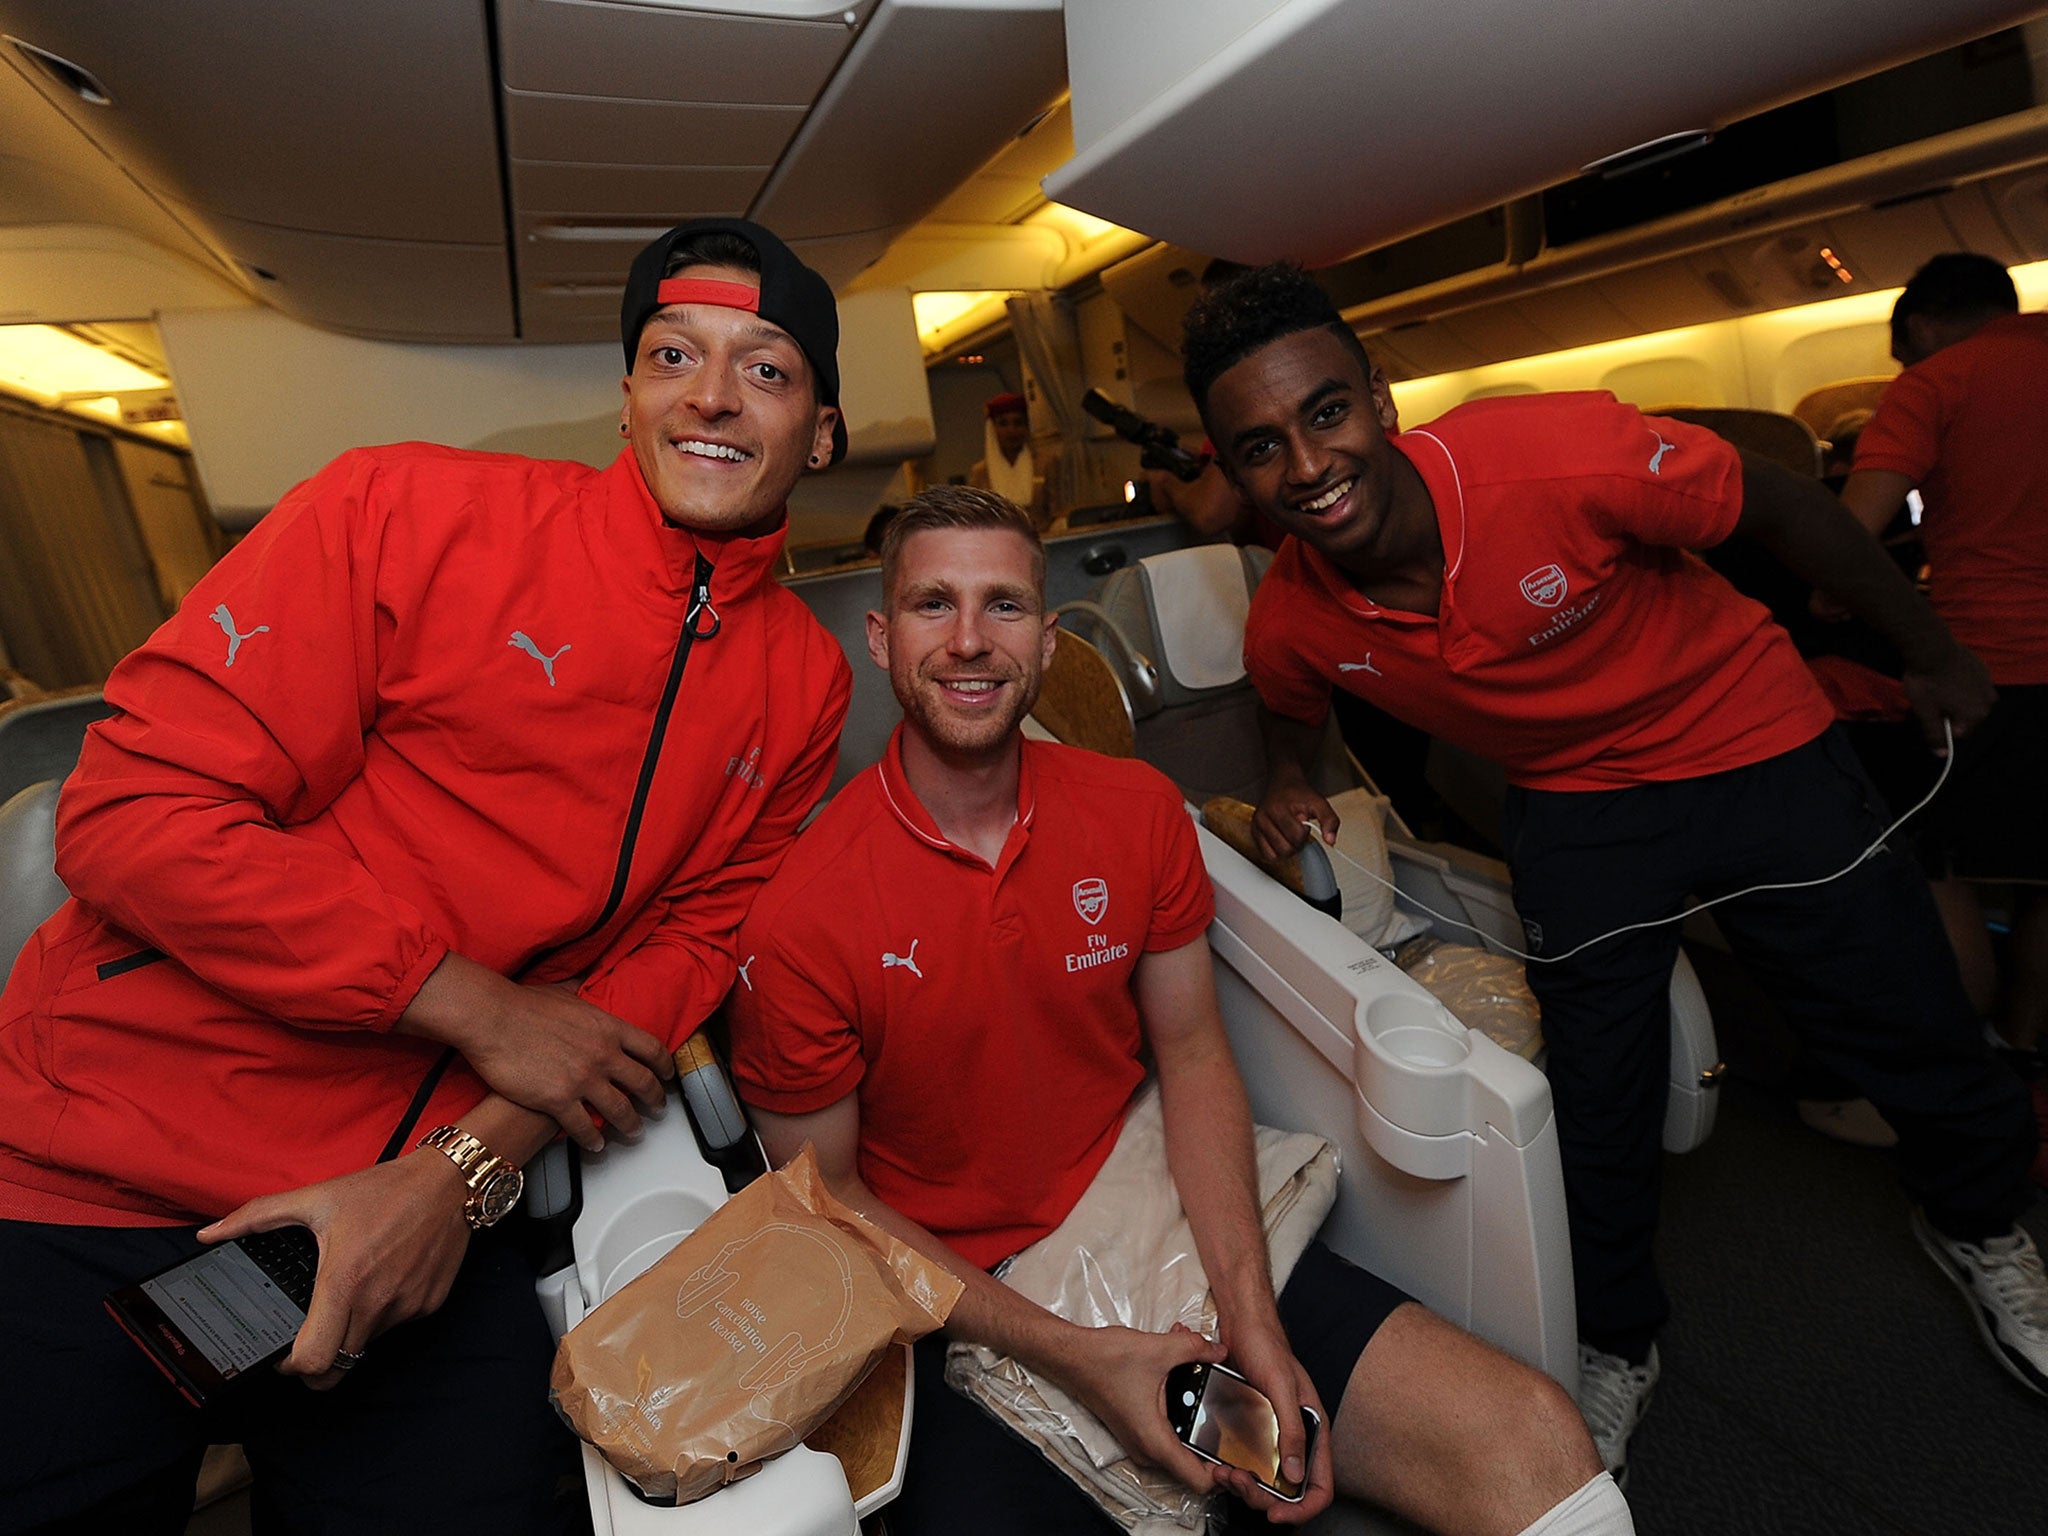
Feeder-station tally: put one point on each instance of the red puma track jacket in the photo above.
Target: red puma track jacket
(437, 700)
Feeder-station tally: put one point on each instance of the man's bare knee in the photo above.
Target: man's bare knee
(1456, 1435)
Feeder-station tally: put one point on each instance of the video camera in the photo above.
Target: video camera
(1161, 444)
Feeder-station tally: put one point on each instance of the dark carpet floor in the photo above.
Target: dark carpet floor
(1820, 1375)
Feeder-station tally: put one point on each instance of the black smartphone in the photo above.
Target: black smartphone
(1223, 1418)
(222, 1313)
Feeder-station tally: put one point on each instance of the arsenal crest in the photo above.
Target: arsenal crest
(1545, 587)
(1091, 899)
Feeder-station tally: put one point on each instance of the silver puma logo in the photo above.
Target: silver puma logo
(1657, 458)
(743, 972)
(519, 638)
(1360, 666)
(226, 621)
(908, 962)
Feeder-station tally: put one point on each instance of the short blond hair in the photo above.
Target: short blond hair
(957, 506)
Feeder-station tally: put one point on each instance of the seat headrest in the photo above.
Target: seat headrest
(1199, 598)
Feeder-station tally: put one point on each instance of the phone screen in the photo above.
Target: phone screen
(1234, 1423)
(227, 1308)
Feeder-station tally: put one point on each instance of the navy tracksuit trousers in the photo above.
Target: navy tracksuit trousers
(1860, 966)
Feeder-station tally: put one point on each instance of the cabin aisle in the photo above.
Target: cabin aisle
(1820, 1375)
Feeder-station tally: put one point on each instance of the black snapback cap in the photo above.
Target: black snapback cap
(791, 297)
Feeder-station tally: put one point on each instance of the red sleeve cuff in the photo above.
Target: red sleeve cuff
(804, 1100)
(1185, 933)
(1898, 463)
(409, 986)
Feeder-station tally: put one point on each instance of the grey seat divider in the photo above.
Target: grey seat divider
(29, 888)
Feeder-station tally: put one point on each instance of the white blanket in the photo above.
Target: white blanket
(1125, 1254)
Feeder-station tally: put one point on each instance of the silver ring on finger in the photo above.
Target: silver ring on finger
(347, 1359)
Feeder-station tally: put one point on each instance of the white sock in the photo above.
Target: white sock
(1598, 1509)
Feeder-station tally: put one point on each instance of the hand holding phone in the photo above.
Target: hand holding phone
(1223, 1418)
(222, 1313)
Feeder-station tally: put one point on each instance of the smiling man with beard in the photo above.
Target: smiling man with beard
(1515, 577)
(950, 987)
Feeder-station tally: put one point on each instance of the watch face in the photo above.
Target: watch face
(499, 1195)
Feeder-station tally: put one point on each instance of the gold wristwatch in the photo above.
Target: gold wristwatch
(494, 1184)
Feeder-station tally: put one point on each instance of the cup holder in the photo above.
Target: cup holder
(1414, 1031)
(642, 1234)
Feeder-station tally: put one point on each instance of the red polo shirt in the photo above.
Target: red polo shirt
(1970, 427)
(985, 1014)
(1577, 643)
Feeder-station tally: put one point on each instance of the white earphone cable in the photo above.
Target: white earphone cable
(1948, 762)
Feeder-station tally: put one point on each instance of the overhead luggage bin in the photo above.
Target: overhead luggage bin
(1189, 123)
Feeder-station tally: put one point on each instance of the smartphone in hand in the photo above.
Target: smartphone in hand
(222, 1313)
(1223, 1418)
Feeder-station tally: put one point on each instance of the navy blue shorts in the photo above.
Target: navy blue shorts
(967, 1472)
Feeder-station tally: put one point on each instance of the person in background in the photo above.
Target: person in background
(433, 810)
(1966, 425)
(1008, 464)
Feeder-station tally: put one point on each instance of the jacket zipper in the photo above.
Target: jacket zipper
(700, 604)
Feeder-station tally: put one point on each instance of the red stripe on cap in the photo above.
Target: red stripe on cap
(707, 290)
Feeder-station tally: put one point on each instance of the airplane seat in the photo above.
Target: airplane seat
(41, 738)
(1773, 435)
(29, 893)
(1082, 700)
(1451, 1186)
(29, 888)
(632, 1203)
(1822, 408)
(1171, 629)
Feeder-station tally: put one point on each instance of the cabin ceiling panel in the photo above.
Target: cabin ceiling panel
(244, 108)
(1429, 348)
(665, 53)
(969, 258)
(79, 272)
(839, 259)
(579, 250)
(593, 130)
(1882, 247)
(2022, 204)
(992, 194)
(66, 179)
(931, 91)
(664, 193)
(1574, 316)
(1156, 288)
(1662, 297)
(1498, 332)
(1448, 108)
(1974, 224)
(416, 290)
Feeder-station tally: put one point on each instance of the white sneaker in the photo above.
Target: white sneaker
(1613, 1397)
(2008, 1294)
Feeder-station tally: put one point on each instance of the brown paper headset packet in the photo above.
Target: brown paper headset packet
(745, 1337)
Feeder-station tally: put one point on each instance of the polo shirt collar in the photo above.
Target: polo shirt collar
(1432, 461)
(917, 821)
